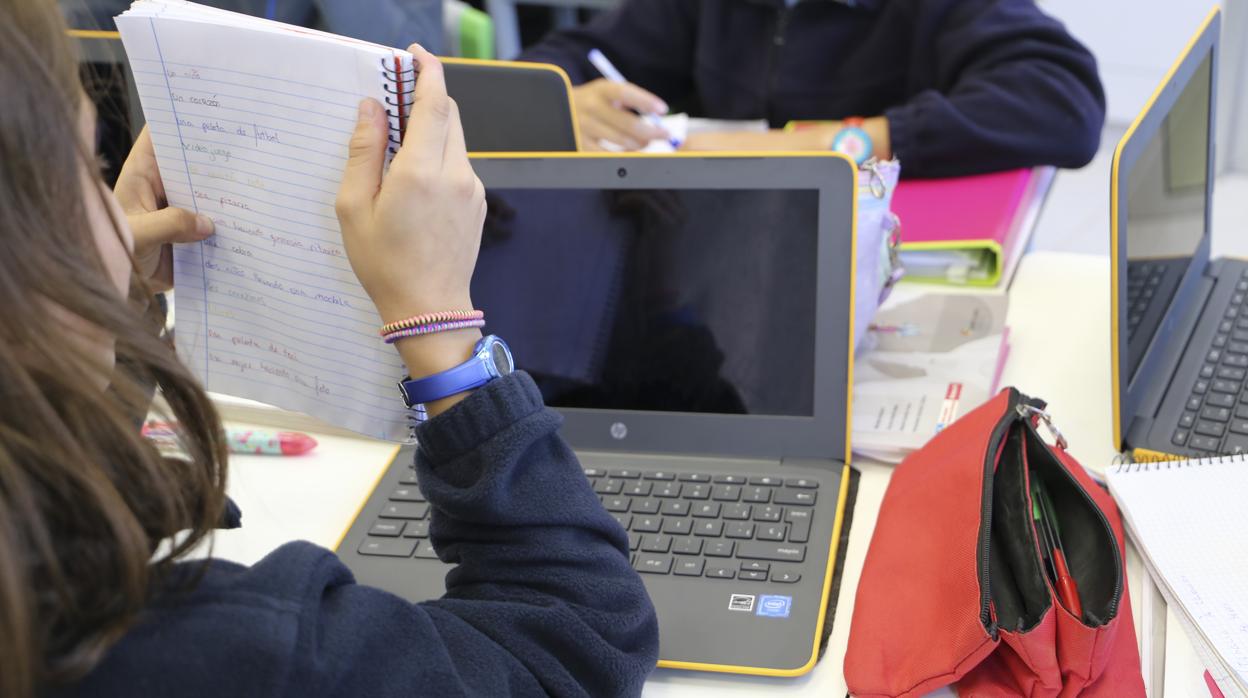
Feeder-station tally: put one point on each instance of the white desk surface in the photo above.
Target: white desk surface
(1059, 332)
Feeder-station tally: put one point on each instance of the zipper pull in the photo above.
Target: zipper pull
(1035, 414)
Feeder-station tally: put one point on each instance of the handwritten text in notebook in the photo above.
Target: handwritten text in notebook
(250, 127)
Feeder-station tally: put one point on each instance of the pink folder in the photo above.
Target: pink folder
(982, 214)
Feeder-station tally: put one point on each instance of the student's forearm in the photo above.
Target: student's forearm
(425, 355)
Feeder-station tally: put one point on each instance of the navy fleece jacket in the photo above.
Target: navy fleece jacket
(543, 600)
(968, 86)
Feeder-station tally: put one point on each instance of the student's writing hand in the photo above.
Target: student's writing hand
(413, 238)
(153, 221)
(603, 112)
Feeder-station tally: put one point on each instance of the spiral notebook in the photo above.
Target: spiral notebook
(250, 120)
(1189, 520)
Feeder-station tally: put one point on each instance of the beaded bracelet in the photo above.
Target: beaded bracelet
(430, 319)
(431, 328)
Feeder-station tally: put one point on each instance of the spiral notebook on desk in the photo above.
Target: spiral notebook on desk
(1188, 519)
(250, 121)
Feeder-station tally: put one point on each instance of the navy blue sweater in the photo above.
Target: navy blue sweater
(967, 85)
(543, 600)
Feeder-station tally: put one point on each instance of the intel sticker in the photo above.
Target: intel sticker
(775, 606)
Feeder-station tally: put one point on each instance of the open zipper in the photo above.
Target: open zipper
(985, 512)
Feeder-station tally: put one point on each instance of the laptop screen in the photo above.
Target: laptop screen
(1166, 212)
(677, 300)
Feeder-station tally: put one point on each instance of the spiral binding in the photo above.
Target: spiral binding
(1127, 463)
(400, 84)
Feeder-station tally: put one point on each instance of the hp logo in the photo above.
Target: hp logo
(618, 431)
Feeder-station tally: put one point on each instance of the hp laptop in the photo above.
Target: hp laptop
(691, 318)
(538, 113)
(1179, 321)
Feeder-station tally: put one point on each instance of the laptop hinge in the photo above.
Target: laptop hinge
(1171, 354)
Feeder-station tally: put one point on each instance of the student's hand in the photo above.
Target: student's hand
(603, 112)
(413, 238)
(153, 221)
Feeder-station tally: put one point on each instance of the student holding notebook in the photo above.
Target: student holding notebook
(93, 597)
(951, 87)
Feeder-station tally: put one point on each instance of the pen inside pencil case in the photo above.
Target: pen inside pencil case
(1015, 574)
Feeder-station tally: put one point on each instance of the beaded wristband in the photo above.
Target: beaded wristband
(431, 328)
(430, 319)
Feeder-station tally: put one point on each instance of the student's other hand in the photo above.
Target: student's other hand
(413, 239)
(603, 112)
(153, 221)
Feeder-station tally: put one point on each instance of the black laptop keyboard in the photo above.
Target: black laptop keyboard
(1215, 418)
(753, 528)
(1143, 278)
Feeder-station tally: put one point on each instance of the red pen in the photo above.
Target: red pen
(249, 441)
(1067, 591)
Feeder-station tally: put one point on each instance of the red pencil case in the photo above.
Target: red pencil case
(954, 589)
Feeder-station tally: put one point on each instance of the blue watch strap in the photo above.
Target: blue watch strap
(478, 370)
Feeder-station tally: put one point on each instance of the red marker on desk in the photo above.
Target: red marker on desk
(249, 441)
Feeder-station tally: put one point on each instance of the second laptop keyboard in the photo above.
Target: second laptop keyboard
(1215, 418)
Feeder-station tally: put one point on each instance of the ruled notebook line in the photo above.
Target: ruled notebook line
(268, 308)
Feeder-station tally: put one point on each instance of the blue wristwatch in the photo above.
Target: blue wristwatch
(491, 359)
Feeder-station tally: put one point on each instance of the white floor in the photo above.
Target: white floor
(1076, 215)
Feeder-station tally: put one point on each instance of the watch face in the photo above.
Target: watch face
(501, 357)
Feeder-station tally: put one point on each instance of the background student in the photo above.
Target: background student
(543, 600)
(948, 86)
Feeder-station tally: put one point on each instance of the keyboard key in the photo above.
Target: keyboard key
(1180, 437)
(1231, 313)
(776, 552)
(1239, 426)
(1202, 443)
(756, 494)
(625, 520)
(1207, 371)
(721, 572)
(719, 548)
(1219, 341)
(386, 529)
(426, 551)
(802, 483)
(646, 506)
(1235, 443)
(594, 472)
(1238, 347)
(647, 524)
(694, 477)
(788, 496)
(687, 546)
(737, 512)
(1221, 385)
(768, 513)
(772, 532)
(609, 486)
(712, 529)
(726, 493)
(653, 564)
(1241, 411)
(409, 476)
(388, 547)
(755, 566)
(624, 473)
(638, 489)
(634, 541)
(404, 510)
(1214, 356)
(707, 510)
(1188, 419)
(1201, 387)
(675, 508)
(416, 529)
(689, 567)
(1220, 400)
(730, 479)
(407, 494)
(1210, 428)
(752, 576)
(785, 576)
(617, 503)
(799, 525)
(1225, 326)
(679, 527)
(667, 490)
(659, 475)
(766, 480)
(739, 529)
(1234, 374)
(1217, 414)
(657, 543)
(1193, 402)
(1236, 360)
(697, 491)
(1239, 335)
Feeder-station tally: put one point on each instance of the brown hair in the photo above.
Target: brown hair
(84, 499)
